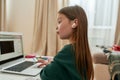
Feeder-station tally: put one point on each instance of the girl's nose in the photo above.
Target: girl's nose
(56, 28)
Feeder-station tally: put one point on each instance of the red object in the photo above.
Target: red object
(116, 48)
(29, 56)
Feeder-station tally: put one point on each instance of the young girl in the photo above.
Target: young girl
(74, 61)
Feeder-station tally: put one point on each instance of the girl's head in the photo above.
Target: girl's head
(72, 22)
(72, 25)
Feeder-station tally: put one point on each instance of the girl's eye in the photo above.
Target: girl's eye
(59, 22)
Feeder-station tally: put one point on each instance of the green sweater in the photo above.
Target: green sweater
(62, 67)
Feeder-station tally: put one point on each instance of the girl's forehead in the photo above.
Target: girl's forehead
(60, 16)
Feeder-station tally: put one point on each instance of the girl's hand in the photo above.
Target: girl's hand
(45, 62)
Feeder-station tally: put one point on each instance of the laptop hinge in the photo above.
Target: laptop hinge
(12, 59)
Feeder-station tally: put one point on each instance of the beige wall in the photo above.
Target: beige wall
(20, 18)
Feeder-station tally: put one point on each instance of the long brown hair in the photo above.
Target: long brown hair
(82, 52)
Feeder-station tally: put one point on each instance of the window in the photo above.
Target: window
(102, 18)
(103, 13)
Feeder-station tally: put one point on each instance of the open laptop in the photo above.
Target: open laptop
(11, 55)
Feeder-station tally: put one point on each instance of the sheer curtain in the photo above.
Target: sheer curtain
(102, 18)
(45, 40)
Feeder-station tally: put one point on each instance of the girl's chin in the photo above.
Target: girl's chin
(63, 38)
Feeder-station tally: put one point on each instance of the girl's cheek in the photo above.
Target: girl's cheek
(59, 26)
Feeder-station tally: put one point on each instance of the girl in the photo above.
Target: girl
(74, 61)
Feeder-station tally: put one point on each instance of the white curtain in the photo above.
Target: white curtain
(102, 18)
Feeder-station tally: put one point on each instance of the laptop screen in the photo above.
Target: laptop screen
(6, 47)
(11, 46)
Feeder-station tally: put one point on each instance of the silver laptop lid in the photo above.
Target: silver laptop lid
(11, 46)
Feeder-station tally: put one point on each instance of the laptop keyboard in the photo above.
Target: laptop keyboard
(20, 67)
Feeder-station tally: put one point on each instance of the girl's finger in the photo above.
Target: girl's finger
(41, 65)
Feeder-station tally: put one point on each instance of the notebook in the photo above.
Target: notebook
(12, 58)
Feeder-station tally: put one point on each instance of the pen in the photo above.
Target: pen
(44, 58)
(36, 59)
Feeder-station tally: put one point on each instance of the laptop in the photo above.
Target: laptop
(12, 58)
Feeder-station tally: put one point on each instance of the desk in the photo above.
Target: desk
(7, 76)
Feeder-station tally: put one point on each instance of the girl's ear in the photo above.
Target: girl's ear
(75, 23)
